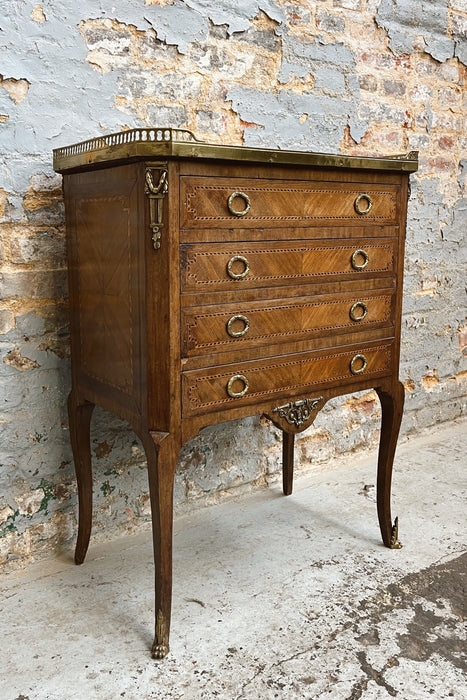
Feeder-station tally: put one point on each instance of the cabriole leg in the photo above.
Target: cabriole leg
(161, 452)
(392, 406)
(79, 415)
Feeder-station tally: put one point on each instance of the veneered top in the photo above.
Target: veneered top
(159, 142)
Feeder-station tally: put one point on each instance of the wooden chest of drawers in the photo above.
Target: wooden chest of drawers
(209, 283)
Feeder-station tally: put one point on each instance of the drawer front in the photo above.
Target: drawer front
(209, 202)
(232, 326)
(218, 267)
(236, 385)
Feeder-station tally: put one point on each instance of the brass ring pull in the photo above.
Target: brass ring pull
(231, 321)
(358, 305)
(358, 209)
(237, 378)
(245, 198)
(354, 360)
(353, 259)
(238, 275)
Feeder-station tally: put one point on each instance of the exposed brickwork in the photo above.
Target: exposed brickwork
(356, 76)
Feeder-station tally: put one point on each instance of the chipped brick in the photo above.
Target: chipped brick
(330, 23)
(430, 380)
(395, 88)
(7, 321)
(16, 360)
(368, 82)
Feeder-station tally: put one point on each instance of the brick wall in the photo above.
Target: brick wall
(355, 76)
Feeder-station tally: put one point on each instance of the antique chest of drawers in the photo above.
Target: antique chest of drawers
(209, 283)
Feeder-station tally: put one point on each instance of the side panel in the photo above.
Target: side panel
(107, 288)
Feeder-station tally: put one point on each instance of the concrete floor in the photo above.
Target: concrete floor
(273, 597)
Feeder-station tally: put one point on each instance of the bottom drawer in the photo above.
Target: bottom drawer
(235, 385)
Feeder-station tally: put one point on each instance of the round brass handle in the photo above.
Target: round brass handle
(364, 255)
(358, 209)
(357, 359)
(238, 275)
(237, 378)
(231, 321)
(358, 305)
(245, 198)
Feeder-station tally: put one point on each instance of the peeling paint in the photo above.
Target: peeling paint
(237, 17)
(48, 489)
(7, 527)
(17, 89)
(405, 20)
(330, 105)
(5, 514)
(30, 503)
(37, 14)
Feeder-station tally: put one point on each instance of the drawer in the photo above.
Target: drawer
(206, 267)
(222, 327)
(211, 202)
(243, 383)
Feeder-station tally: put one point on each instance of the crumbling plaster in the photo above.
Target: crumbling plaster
(410, 23)
(355, 76)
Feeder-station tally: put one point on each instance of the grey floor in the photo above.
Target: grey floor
(273, 597)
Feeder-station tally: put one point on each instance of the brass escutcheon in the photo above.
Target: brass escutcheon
(237, 378)
(358, 305)
(238, 275)
(245, 198)
(365, 256)
(231, 321)
(359, 199)
(358, 358)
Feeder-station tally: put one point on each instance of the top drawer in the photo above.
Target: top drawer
(219, 202)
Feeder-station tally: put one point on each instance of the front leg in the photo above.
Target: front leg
(392, 406)
(161, 453)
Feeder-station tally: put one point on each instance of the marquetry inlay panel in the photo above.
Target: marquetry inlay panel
(105, 298)
(284, 203)
(204, 266)
(206, 389)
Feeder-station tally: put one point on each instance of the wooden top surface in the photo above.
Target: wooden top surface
(156, 142)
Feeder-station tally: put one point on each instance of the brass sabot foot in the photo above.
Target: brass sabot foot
(160, 648)
(394, 543)
(158, 651)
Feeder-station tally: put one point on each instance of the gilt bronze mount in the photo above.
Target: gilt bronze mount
(298, 412)
(156, 194)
